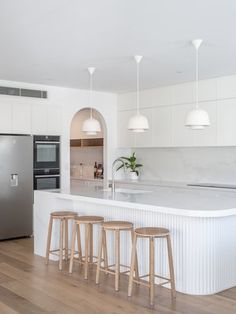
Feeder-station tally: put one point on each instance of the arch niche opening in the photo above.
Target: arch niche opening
(88, 153)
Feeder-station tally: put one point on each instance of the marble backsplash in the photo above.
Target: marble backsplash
(198, 164)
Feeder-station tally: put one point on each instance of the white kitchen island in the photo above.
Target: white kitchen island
(202, 223)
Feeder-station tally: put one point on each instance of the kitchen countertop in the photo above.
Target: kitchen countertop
(179, 200)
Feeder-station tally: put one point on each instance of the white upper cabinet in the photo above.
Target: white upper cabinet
(161, 126)
(183, 93)
(126, 138)
(21, 118)
(46, 119)
(39, 119)
(5, 118)
(54, 120)
(182, 136)
(227, 122)
(207, 136)
(144, 139)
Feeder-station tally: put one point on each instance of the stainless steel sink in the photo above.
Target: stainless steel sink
(127, 191)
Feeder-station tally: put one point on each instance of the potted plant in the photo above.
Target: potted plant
(130, 164)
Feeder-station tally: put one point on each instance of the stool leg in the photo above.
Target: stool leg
(136, 258)
(132, 266)
(171, 267)
(90, 243)
(117, 259)
(79, 243)
(72, 248)
(49, 238)
(61, 244)
(66, 239)
(104, 244)
(152, 270)
(100, 249)
(87, 240)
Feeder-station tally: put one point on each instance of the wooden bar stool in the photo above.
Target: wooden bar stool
(64, 217)
(151, 233)
(117, 227)
(88, 221)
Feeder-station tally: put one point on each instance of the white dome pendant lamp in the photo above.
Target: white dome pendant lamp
(138, 123)
(197, 119)
(91, 126)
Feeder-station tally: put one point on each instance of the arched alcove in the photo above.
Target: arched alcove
(86, 150)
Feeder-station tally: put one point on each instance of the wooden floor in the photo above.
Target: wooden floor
(27, 286)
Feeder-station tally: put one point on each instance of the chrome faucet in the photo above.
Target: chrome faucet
(113, 173)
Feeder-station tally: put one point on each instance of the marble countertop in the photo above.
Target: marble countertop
(179, 200)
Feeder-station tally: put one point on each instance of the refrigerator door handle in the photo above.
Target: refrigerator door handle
(14, 179)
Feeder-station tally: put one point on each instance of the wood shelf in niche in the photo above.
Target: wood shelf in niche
(87, 142)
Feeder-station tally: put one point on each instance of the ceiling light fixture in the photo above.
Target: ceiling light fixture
(138, 123)
(91, 126)
(197, 119)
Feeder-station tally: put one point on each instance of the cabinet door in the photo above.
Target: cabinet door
(226, 122)
(126, 138)
(39, 119)
(21, 118)
(162, 126)
(182, 136)
(207, 136)
(5, 118)
(145, 139)
(54, 120)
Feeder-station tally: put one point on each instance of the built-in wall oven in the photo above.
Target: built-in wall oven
(46, 162)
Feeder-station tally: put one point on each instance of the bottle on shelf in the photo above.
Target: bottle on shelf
(81, 170)
(95, 170)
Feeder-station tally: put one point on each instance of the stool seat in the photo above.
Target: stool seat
(64, 214)
(152, 232)
(89, 219)
(117, 225)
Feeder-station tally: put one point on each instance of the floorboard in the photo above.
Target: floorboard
(28, 286)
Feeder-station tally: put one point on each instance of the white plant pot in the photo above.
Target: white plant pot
(133, 176)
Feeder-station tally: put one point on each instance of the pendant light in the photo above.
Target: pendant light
(197, 119)
(138, 123)
(91, 126)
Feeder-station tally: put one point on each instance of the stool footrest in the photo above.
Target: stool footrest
(168, 280)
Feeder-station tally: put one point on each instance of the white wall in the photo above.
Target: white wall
(30, 116)
(86, 155)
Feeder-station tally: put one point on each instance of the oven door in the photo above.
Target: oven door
(46, 155)
(46, 182)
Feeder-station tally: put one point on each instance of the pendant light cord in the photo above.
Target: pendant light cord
(197, 76)
(137, 88)
(90, 94)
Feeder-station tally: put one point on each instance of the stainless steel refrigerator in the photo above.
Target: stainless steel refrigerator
(16, 186)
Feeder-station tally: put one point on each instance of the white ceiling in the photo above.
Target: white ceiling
(54, 41)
